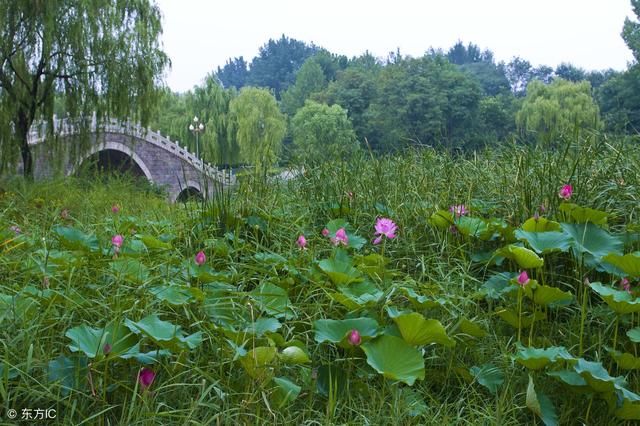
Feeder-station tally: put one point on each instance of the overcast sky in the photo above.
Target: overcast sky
(200, 35)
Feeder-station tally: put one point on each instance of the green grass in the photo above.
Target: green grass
(211, 384)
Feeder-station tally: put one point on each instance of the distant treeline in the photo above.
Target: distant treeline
(458, 98)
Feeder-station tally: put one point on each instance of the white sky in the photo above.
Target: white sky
(200, 35)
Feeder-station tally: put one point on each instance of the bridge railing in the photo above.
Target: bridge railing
(66, 126)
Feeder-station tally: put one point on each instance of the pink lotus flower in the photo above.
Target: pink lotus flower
(458, 210)
(200, 258)
(106, 349)
(325, 232)
(146, 377)
(536, 216)
(565, 192)
(385, 227)
(117, 240)
(523, 278)
(302, 241)
(625, 285)
(115, 208)
(354, 337)
(340, 238)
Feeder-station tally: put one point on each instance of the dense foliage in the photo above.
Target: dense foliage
(99, 57)
(433, 289)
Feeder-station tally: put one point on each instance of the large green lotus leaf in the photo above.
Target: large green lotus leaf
(473, 227)
(511, 317)
(150, 357)
(263, 325)
(177, 294)
(570, 378)
(540, 224)
(273, 300)
(545, 242)
(625, 360)
(619, 301)
(599, 379)
(536, 359)
(590, 238)
(546, 295)
(86, 339)
(423, 302)
(418, 331)
(335, 331)
(340, 269)
(629, 263)
(373, 265)
(18, 307)
(347, 302)
(525, 258)
(294, 355)
(442, 219)
(154, 243)
(332, 381)
(74, 239)
(541, 405)
(257, 361)
(71, 372)
(11, 372)
(130, 269)
(164, 333)
(471, 328)
(224, 309)
(488, 375)
(628, 411)
(286, 391)
(362, 293)
(499, 285)
(634, 335)
(584, 214)
(395, 359)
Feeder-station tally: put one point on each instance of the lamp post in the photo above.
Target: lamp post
(196, 129)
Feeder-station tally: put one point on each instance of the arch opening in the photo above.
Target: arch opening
(189, 193)
(111, 162)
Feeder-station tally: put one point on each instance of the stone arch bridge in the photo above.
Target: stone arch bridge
(146, 153)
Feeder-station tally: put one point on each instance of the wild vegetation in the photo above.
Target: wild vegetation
(496, 288)
(458, 241)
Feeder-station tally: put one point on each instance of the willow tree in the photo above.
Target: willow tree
(260, 127)
(558, 109)
(98, 55)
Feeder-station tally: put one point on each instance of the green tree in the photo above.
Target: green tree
(558, 109)
(322, 132)
(354, 89)
(619, 100)
(101, 56)
(259, 127)
(570, 72)
(277, 62)
(310, 79)
(631, 31)
(235, 73)
(423, 101)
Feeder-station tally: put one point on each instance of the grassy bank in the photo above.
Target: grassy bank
(260, 332)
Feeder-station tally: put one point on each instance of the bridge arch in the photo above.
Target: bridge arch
(114, 146)
(191, 189)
